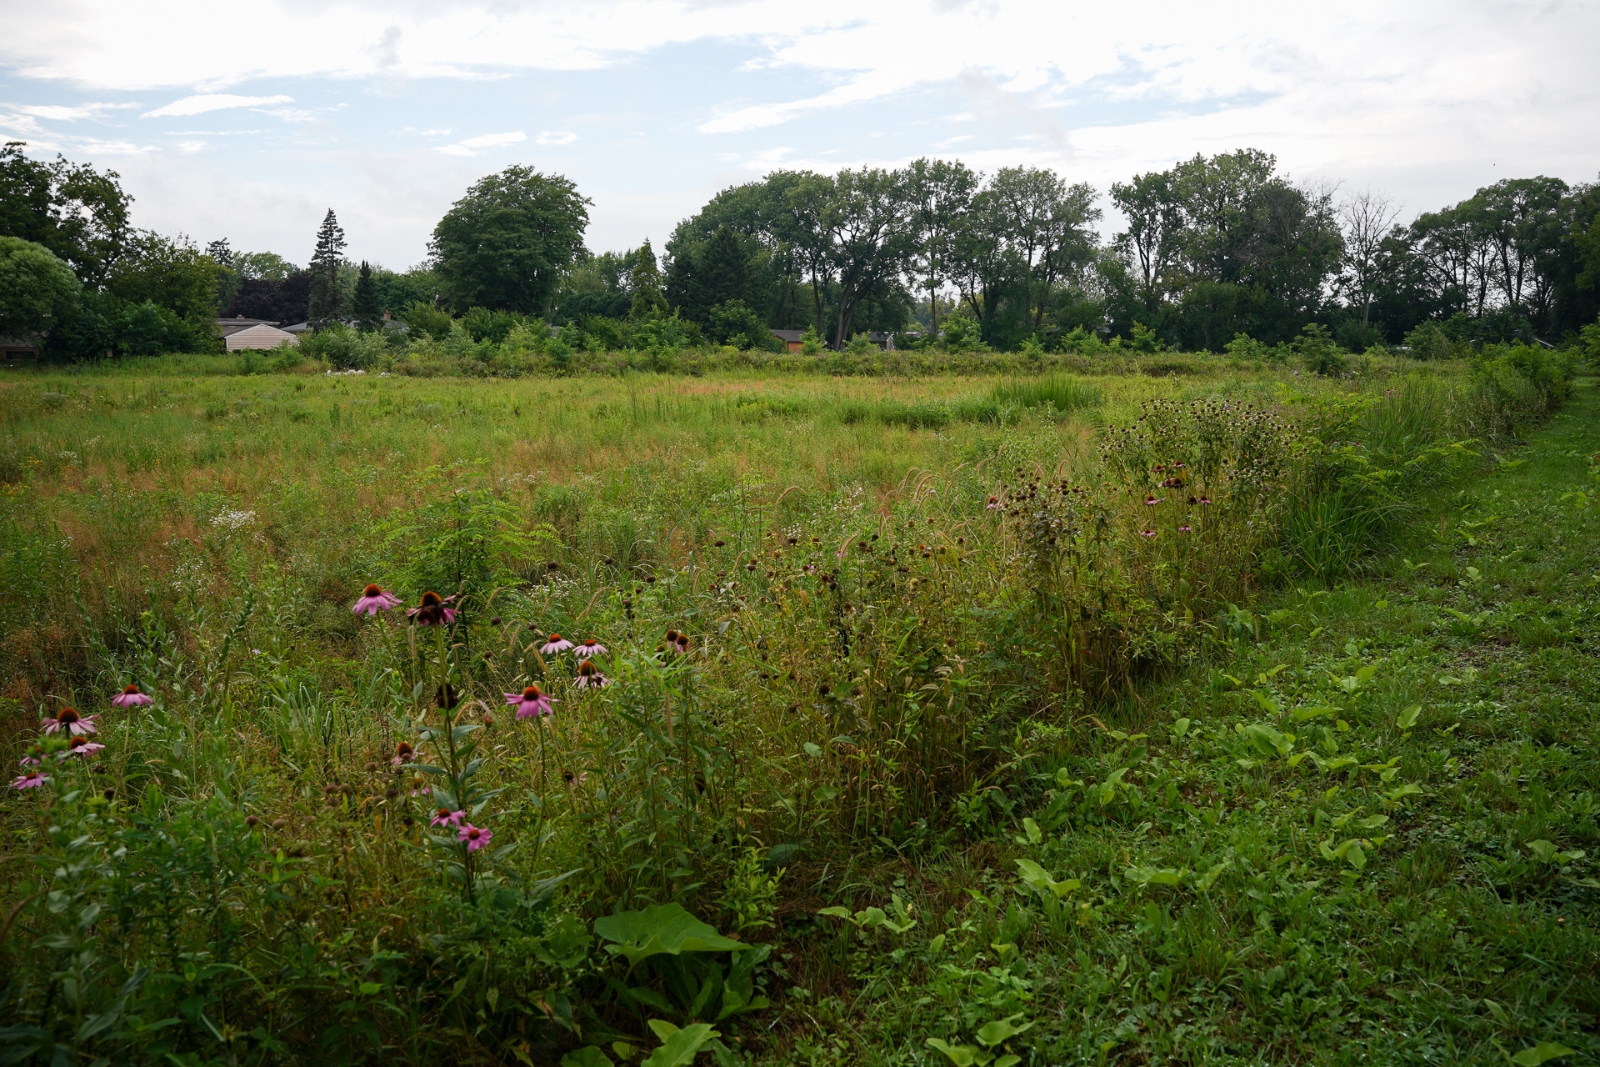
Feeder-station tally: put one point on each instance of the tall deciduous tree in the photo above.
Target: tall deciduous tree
(507, 242)
(325, 303)
(941, 193)
(78, 213)
(37, 289)
(871, 241)
(1367, 218)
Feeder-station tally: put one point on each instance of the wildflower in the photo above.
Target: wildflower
(404, 753)
(1147, 533)
(1185, 528)
(130, 697)
(373, 600)
(446, 817)
(434, 610)
(1205, 499)
(530, 703)
(993, 504)
(1151, 500)
(31, 780)
(590, 649)
(31, 757)
(683, 644)
(474, 836)
(590, 677)
(69, 720)
(557, 644)
(672, 637)
(1193, 501)
(81, 746)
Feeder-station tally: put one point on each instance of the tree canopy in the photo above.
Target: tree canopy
(37, 289)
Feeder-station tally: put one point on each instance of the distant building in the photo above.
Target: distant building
(14, 350)
(790, 339)
(241, 333)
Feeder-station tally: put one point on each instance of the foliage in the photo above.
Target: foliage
(80, 214)
(326, 304)
(37, 290)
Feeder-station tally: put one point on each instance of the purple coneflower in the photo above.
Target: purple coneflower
(993, 504)
(31, 780)
(81, 746)
(590, 649)
(1205, 499)
(475, 837)
(446, 817)
(31, 757)
(1185, 528)
(530, 703)
(434, 610)
(590, 677)
(373, 600)
(1147, 533)
(69, 720)
(1151, 500)
(556, 645)
(130, 697)
(683, 644)
(404, 753)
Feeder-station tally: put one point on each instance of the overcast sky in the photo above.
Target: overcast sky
(249, 119)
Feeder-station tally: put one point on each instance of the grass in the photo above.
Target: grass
(892, 693)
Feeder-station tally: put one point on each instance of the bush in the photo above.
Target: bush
(1431, 341)
(1319, 352)
(345, 349)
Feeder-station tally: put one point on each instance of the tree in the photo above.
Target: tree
(1367, 218)
(1523, 225)
(325, 303)
(645, 281)
(1151, 243)
(871, 240)
(368, 313)
(170, 274)
(507, 242)
(78, 213)
(1047, 227)
(941, 192)
(37, 290)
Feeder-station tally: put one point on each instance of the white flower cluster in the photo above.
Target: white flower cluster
(233, 520)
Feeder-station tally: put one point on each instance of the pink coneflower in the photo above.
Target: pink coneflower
(1151, 500)
(530, 703)
(373, 600)
(434, 610)
(993, 504)
(81, 746)
(1147, 533)
(555, 646)
(590, 677)
(69, 720)
(1205, 499)
(683, 644)
(1185, 528)
(31, 757)
(130, 697)
(590, 649)
(475, 837)
(404, 753)
(446, 817)
(31, 780)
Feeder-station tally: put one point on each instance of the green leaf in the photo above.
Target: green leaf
(589, 1056)
(1157, 875)
(960, 1055)
(1031, 828)
(1543, 1052)
(664, 929)
(993, 1033)
(678, 1047)
(836, 911)
(1180, 727)
(1408, 718)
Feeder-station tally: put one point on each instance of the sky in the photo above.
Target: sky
(250, 119)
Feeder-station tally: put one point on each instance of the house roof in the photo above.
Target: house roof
(788, 335)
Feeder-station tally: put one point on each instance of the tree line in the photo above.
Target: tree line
(1209, 250)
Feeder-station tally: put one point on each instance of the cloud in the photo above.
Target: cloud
(556, 137)
(471, 145)
(204, 102)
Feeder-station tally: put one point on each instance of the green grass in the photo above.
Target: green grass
(886, 679)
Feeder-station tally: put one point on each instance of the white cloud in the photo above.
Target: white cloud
(204, 102)
(471, 145)
(556, 137)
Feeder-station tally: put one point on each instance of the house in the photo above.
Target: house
(15, 350)
(790, 339)
(241, 333)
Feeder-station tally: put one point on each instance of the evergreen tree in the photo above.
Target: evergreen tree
(365, 304)
(645, 279)
(324, 305)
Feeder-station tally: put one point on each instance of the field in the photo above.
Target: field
(1181, 711)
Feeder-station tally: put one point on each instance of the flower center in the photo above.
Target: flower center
(372, 590)
(77, 742)
(586, 668)
(131, 690)
(67, 715)
(554, 638)
(531, 693)
(474, 833)
(403, 749)
(444, 813)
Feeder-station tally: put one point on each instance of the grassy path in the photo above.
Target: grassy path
(1370, 837)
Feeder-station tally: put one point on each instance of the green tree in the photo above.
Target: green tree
(368, 312)
(645, 281)
(78, 213)
(167, 273)
(870, 238)
(37, 290)
(506, 244)
(941, 193)
(326, 297)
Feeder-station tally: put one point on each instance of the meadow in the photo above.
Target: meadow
(1119, 712)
